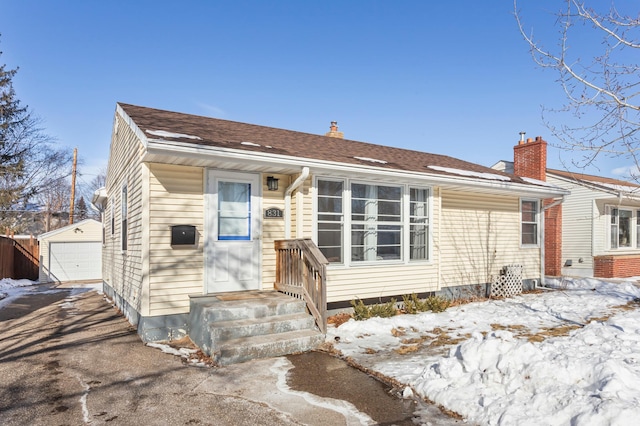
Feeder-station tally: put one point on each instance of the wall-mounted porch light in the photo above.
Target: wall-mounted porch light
(272, 183)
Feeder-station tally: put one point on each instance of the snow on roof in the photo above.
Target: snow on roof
(250, 143)
(372, 160)
(620, 188)
(165, 134)
(470, 173)
(537, 182)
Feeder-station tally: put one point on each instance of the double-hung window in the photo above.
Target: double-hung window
(331, 219)
(362, 222)
(620, 228)
(529, 222)
(113, 220)
(123, 218)
(419, 223)
(376, 222)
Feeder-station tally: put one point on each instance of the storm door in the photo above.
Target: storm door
(232, 248)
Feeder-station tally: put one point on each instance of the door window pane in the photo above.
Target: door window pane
(234, 211)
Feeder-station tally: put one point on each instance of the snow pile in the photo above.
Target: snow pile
(10, 289)
(570, 356)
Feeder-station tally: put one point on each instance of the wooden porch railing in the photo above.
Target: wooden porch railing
(301, 272)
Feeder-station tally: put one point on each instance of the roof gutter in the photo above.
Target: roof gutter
(287, 201)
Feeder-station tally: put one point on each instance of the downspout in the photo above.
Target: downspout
(287, 200)
(543, 242)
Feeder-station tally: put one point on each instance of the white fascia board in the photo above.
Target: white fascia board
(172, 148)
(134, 127)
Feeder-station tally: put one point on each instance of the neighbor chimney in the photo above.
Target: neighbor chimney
(333, 132)
(530, 158)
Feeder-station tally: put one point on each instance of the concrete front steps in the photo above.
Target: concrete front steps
(239, 326)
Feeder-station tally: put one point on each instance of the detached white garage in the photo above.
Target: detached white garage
(72, 253)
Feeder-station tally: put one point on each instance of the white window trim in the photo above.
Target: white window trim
(405, 222)
(538, 222)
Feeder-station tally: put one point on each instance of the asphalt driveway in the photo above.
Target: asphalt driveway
(69, 357)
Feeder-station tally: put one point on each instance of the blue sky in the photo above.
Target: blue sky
(452, 78)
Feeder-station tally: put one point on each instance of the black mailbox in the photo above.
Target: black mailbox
(183, 235)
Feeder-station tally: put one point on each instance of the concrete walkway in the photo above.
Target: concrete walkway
(70, 358)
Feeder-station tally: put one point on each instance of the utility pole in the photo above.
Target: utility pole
(73, 185)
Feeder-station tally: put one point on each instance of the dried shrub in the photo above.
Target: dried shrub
(383, 310)
(414, 305)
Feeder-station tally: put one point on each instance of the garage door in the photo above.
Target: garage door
(73, 261)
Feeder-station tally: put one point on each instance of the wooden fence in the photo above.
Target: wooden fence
(19, 258)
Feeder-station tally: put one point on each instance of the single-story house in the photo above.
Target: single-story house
(71, 253)
(196, 206)
(595, 232)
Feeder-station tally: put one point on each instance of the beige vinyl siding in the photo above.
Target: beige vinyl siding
(305, 203)
(123, 270)
(480, 234)
(372, 281)
(578, 214)
(272, 228)
(175, 198)
(380, 280)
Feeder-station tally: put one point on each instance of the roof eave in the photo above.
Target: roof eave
(171, 149)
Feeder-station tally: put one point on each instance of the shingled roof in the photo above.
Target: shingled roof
(213, 132)
(602, 182)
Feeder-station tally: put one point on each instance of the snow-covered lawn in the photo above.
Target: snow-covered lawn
(567, 356)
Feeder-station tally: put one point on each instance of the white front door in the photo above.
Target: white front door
(232, 247)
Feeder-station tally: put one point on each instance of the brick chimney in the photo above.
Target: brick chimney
(334, 133)
(530, 158)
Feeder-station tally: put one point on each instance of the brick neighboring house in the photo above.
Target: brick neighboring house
(595, 231)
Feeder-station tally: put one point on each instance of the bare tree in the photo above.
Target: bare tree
(595, 55)
(29, 161)
(55, 200)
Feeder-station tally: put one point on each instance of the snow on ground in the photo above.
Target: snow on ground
(11, 289)
(564, 356)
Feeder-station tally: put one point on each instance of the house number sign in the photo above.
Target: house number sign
(273, 213)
